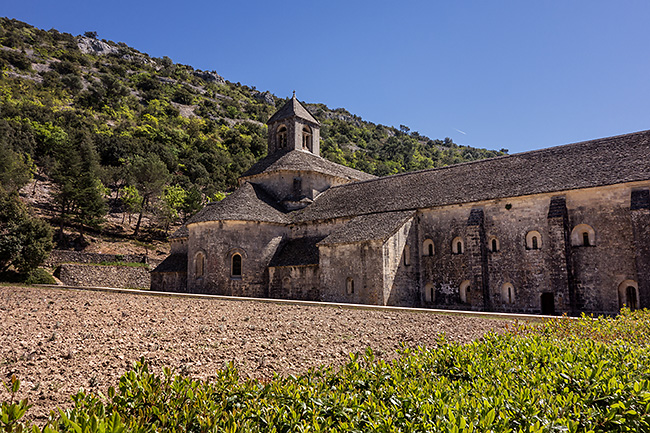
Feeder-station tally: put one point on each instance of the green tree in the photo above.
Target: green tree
(173, 200)
(131, 200)
(150, 176)
(25, 241)
(80, 192)
(15, 169)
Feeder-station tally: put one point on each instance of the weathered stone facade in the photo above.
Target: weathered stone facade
(560, 230)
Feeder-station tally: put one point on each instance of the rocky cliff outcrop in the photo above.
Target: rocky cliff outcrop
(95, 46)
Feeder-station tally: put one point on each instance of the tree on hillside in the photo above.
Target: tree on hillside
(150, 176)
(25, 241)
(15, 169)
(80, 193)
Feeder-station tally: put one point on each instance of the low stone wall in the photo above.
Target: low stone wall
(103, 276)
(58, 257)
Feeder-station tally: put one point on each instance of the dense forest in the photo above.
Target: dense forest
(117, 130)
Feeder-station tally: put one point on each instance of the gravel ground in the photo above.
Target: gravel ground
(57, 341)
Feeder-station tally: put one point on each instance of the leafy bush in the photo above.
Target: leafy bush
(532, 379)
(39, 276)
(16, 58)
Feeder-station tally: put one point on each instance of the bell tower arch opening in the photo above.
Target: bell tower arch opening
(306, 138)
(293, 127)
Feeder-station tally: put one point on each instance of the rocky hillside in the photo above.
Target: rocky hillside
(118, 132)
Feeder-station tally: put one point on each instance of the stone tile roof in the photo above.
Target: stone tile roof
(604, 161)
(173, 263)
(378, 226)
(248, 203)
(301, 160)
(297, 252)
(182, 232)
(293, 108)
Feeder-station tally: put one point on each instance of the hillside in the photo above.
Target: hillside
(122, 134)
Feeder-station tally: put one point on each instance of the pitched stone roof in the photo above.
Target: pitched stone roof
(302, 160)
(604, 161)
(182, 232)
(248, 203)
(293, 108)
(173, 263)
(378, 226)
(297, 252)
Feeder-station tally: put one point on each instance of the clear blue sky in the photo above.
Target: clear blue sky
(518, 74)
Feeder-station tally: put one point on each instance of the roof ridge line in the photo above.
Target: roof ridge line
(477, 161)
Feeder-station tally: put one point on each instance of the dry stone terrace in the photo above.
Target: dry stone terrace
(57, 341)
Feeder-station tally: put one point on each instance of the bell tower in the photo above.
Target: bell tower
(293, 127)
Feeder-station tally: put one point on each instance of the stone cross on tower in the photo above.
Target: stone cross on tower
(293, 127)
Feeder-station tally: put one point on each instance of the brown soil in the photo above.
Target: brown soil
(57, 341)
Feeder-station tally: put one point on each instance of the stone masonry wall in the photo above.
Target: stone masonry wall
(103, 276)
(218, 241)
(65, 256)
(575, 277)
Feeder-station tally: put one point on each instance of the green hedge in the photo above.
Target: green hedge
(562, 376)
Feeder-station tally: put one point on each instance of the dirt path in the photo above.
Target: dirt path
(57, 341)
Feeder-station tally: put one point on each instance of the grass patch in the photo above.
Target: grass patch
(585, 375)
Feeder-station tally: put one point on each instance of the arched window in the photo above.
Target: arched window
(494, 244)
(306, 138)
(457, 246)
(236, 265)
(407, 255)
(583, 235)
(297, 187)
(199, 264)
(628, 294)
(427, 248)
(282, 136)
(429, 293)
(286, 285)
(463, 290)
(507, 293)
(533, 240)
(349, 286)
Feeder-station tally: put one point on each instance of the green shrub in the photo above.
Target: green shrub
(17, 59)
(532, 379)
(39, 276)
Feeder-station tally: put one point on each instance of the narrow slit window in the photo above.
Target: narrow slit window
(236, 265)
(349, 286)
(199, 264)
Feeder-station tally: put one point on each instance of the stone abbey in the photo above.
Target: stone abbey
(558, 230)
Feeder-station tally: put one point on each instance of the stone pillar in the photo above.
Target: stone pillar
(640, 213)
(558, 260)
(476, 247)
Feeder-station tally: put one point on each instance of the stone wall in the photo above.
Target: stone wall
(361, 264)
(89, 275)
(58, 257)
(218, 241)
(400, 269)
(572, 277)
(294, 282)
